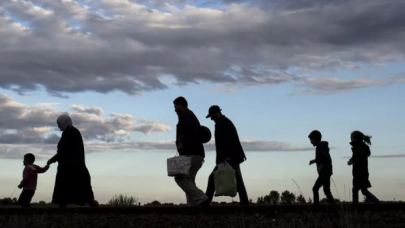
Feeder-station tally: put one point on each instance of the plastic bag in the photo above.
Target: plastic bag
(225, 180)
(178, 166)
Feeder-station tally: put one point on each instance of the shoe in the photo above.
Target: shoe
(94, 203)
(203, 201)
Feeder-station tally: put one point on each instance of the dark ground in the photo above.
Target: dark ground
(364, 215)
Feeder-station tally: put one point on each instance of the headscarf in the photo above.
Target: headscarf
(64, 121)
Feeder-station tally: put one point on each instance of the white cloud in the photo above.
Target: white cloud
(20, 123)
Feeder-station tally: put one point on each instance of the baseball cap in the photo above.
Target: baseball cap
(213, 109)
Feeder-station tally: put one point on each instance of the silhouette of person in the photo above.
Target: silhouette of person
(29, 181)
(324, 166)
(229, 149)
(73, 181)
(189, 144)
(359, 160)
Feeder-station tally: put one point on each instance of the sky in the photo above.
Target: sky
(277, 69)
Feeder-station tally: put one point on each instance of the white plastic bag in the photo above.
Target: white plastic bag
(178, 166)
(225, 180)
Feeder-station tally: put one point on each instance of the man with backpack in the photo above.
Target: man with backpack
(189, 143)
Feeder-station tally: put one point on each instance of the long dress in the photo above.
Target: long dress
(73, 181)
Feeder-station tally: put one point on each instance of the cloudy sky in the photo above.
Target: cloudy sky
(278, 69)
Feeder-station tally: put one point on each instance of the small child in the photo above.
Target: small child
(324, 166)
(359, 160)
(29, 182)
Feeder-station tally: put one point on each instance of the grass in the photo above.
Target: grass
(345, 217)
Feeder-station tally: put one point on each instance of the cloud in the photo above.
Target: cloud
(111, 45)
(385, 156)
(90, 110)
(25, 124)
(333, 85)
(45, 150)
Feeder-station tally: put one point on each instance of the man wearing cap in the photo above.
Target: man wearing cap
(228, 148)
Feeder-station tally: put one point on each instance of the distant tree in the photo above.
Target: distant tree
(9, 201)
(301, 199)
(274, 197)
(250, 201)
(287, 197)
(324, 200)
(155, 203)
(41, 202)
(309, 200)
(260, 200)
(122, 200)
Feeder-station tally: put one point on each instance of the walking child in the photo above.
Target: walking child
(29, 182)
(359, 160)
(324, 166)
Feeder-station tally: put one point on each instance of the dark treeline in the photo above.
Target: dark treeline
(274, 197)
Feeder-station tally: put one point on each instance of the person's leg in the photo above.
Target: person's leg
(186, 183)
(240, 185)
(211, 186)
(315, 189)
(26, 197)
(22, 199)
(190, 201)
(355, 195)
(326, 189)
(369, 195)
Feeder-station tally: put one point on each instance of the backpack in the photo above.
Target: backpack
(204, 134)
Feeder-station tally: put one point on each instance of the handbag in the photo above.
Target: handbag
(225, 180)
(178, 166)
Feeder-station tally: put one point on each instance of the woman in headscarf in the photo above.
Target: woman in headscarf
(73, 182)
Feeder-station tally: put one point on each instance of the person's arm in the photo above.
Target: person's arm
(355, 156)
(42, 170)
(222, 142)
(53, 159)
(62, 147)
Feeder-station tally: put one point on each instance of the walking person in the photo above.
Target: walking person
(189, 144)
(324, 166)
(73, 181)
(229, 149)
(29, 181)
(361, 151)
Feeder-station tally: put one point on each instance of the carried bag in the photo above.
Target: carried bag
(225, 180)
(178, 166)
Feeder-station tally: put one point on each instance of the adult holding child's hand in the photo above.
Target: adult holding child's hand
(73, 181)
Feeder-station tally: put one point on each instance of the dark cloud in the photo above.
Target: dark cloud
(123, 46)
(13, 151)
(384, 156)
(24, 124)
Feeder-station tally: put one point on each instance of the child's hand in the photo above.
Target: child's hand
(19, 186)
(47, 166)
(311, 162)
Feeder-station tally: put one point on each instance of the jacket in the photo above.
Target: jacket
(70, 149)
(30, 176)
(187, 134)
(227, 142)
(323, 159)
(360, 154)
